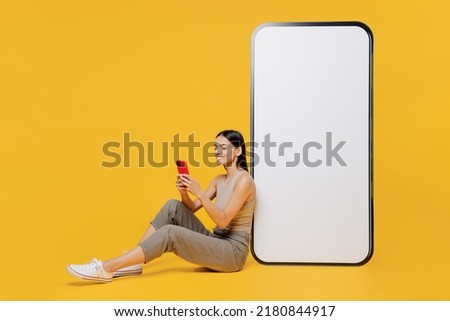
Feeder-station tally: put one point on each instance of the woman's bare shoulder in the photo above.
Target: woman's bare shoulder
(246, 177)
(246, 180)
(246, 185)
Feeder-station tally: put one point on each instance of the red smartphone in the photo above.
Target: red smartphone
(182, 167)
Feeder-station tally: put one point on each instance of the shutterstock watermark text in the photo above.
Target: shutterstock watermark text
(273, 153)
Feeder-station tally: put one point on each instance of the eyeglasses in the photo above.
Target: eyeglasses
(222, 147)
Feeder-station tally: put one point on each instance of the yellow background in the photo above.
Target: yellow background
(76, 74)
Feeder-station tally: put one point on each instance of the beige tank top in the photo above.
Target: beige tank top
(243, 219)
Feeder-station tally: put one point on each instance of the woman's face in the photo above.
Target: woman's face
(226, 153)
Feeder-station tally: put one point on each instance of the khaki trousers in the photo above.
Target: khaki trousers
(178, 230)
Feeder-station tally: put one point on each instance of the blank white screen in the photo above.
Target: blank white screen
(310, 80)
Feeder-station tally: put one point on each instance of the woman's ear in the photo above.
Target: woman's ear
(239, 151)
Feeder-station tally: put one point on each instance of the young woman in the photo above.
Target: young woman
(176, 228)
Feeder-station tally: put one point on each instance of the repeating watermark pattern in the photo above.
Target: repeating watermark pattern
(119, 153)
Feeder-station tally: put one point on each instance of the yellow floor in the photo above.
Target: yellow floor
(170, 278)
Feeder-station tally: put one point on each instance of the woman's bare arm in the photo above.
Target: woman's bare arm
(195, 205)
(241, 192)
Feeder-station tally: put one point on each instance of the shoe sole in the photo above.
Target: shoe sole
(119, 274)
(87, 277)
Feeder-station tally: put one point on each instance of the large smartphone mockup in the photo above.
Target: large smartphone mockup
(311, 137)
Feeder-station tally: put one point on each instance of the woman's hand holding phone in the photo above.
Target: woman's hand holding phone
(185, 182)
(191, 185)
(182, 171)
(181, 182)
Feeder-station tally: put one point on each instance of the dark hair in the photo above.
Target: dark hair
(237, 140)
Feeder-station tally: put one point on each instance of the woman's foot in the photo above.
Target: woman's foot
(91, 271)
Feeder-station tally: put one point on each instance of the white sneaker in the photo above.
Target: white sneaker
(128, 271)
(91, 271)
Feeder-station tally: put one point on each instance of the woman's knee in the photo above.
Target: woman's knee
(158, 243)
(171, 235)
(167, 214)
(173, 202)
(173, 232)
